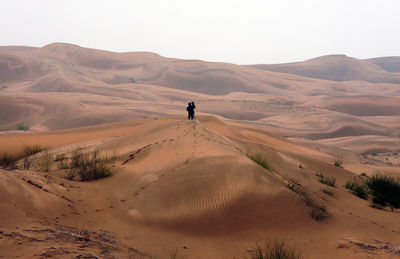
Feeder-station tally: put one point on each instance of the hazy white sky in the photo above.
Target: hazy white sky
(242, 32)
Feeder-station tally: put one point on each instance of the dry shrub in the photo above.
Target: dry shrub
(9, 161)
(89, 166)
(260, 159)
(277, 249)
(45, 161)
(385, 190)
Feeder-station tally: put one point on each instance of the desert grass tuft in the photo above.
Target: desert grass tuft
(9, 161)
(338, 161)
(385, 190)
(331, 181)
(319, 213)
(45, 161)
(89, 166)
(31, 150)
(277, 249)
(62, 161)
(260, 159)
(328, 191)
(358, 189)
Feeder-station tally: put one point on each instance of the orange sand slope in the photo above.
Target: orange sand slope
(185, 186)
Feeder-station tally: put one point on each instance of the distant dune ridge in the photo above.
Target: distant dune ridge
(343, 68)
(41, 87)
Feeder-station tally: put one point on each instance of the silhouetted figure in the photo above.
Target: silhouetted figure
(190, 110)
(194, 107)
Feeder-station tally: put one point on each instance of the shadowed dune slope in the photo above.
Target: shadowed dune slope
(389, 64)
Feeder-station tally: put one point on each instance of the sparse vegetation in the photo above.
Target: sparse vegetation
(328, 191)
(27, 163)
(107, 249)
(277, 249)
(60, 157)
(86, 234)
(31, 150)
(45, 161)
(175, 255)
(9, 161)
(62, 161)
(22, 126)
(385, 190)
(359, 189)
(260, 159)
(319, 213)
(293, 184)
(88, 166)
(331, 181)
(338, 161)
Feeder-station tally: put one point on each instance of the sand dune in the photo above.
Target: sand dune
(185, 185)
(190, 186)
(341, 68)
(389, 64)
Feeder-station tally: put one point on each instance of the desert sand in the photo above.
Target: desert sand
(190, 187)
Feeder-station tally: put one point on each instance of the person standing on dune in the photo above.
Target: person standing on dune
(190, 110)
(194, 107)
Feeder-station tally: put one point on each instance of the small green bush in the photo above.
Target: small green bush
(259, 159)
(359, 189)
(385, 190)
(22, 126)
(277, 249)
